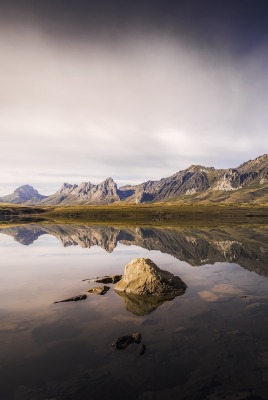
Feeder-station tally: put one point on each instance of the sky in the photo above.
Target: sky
(135, 90)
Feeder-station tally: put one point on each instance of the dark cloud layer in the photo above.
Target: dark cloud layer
(135, 90)
(240, 24)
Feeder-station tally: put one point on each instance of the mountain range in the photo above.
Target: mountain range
(248, 183)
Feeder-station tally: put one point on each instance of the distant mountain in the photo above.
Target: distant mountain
(248, 183)
(23, 195)
(86, 193)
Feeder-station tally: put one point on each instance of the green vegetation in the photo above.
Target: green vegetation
(149, 214)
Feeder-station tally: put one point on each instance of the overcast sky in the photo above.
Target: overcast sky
(133, 90)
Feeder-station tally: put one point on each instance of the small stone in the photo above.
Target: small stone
(142, 349)
(136, 337)
(74, 298)
(124, 341)
(109, 279)
(100, 290)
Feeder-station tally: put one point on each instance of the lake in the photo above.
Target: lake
(210, 343)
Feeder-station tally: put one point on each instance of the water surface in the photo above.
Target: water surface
(210, 343)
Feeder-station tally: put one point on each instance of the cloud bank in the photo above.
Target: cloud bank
(140, 107)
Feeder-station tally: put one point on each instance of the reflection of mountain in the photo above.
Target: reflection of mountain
(25, 235)
(246, 246)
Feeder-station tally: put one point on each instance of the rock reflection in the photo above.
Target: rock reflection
(141, 304)
(245, 246)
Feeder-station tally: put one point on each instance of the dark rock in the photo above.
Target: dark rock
(124, 341)
(100, 290)
(142, 349)
(109, 279)
(137, 337)
(75, 298)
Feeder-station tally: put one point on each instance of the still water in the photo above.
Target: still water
(210, 343)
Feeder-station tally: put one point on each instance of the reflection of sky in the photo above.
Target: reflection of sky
(46, 271)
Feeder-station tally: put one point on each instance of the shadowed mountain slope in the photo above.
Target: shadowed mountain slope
(248, 183)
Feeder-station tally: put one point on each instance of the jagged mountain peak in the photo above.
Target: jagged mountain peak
(261, 161)
(246, 183)
(66, 185)
(199, 168)
(66, 188)
(84, 187)
(108, 181)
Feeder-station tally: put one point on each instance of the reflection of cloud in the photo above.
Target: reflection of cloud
(15, 326)
(226, 288)
(208, 296)
(220, 292)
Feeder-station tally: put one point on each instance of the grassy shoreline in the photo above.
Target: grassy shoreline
(152, 214)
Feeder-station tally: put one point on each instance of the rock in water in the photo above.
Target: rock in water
(142, 349)
(124, 341)
(101, 290)
(75, 298)
(143, 277)
(109, 279)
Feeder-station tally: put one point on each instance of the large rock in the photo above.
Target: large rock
(143, 277)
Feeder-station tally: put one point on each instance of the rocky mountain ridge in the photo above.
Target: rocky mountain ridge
(246, 183)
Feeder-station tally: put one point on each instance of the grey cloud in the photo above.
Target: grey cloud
(140, 109)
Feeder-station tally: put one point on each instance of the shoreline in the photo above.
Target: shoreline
(148, 214)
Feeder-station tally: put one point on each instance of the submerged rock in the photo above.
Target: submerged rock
(101, 290)
(124, 341)
(143, 277)
(109, 279)
(74, 298)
